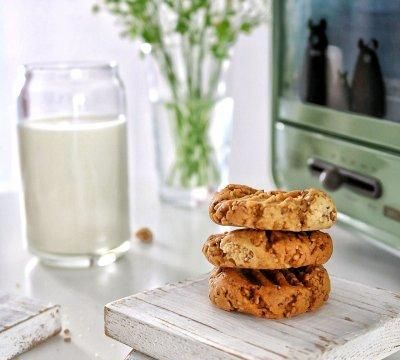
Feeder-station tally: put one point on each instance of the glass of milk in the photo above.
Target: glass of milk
(72, 135)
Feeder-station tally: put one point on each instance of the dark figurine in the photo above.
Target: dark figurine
(339, 92)
(368, 88)
(313, 78)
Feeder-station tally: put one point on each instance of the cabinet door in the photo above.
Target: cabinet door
(342, 54)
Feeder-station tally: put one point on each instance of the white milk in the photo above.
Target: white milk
(75, 182)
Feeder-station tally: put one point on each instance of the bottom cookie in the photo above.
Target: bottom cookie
(271, 294)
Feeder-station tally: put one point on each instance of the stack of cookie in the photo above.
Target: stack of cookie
(273, 267)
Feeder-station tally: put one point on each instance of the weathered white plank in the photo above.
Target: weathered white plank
(25, 323)
(178, 322)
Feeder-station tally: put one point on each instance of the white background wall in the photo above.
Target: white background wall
(61, 30)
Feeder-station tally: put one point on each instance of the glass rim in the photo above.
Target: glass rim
(70, 65)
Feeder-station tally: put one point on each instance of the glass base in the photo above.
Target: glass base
(187, 198)
(81, 261)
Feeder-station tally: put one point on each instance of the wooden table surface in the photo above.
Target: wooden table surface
(174, 255)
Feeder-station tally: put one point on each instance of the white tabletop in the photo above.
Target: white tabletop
(175, 254)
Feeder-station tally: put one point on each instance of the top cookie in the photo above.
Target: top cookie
(298, 210)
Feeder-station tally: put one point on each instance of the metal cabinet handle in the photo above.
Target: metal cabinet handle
(333, 177)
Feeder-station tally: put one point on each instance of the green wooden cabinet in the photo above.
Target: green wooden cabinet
(364, 146)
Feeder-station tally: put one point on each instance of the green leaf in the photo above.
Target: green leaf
(96, 8)
(219, 51)
(198, 4)
(246, 27)
(223, 29)
(182, 25)
(151, 34)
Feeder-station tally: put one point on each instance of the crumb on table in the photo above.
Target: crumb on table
(67, 335)
(144, 234)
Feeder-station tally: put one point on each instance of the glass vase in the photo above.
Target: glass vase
(192, 129)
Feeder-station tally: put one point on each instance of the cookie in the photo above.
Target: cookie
(260, 249)
(298, 210)
(272, 294)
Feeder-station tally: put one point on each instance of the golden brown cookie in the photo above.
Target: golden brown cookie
(298, 210)
(271, 294)
(260, 249)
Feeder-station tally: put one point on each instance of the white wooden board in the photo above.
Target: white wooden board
(25, 323)
(178, 322)
(135, 355)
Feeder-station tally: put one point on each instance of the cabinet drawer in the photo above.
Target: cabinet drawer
(295, 149)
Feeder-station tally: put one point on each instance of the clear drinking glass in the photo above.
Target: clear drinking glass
(73, 155)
